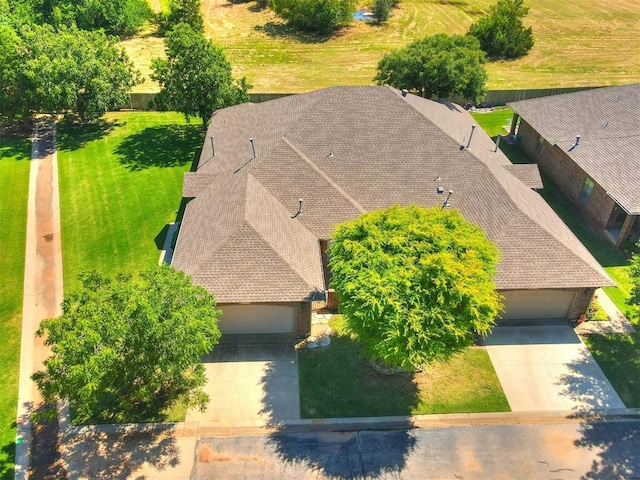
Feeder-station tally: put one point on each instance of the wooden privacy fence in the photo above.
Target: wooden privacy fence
(143, 101)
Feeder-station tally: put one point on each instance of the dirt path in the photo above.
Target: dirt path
(42, 280)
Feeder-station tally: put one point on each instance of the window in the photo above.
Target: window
(587, 188)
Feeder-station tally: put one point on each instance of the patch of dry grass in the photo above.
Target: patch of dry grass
(577, 44)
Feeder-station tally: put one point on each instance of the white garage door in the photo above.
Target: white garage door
(536, 304)
(256, 319)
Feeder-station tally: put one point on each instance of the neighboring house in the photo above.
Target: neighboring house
(275, 178)
(589, 144)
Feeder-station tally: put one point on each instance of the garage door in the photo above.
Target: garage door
(536, 304)
(256, 319)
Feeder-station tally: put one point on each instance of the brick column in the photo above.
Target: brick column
(514, 122)
(625, 230)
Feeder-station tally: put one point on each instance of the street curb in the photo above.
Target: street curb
(227, 429)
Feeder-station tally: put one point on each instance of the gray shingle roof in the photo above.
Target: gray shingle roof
(346, 150)
(607, 121)
(527, 173)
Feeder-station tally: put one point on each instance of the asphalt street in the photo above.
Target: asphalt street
(603, 450)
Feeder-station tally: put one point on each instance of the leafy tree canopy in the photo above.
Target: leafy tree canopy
(437, 66)
(117, 17)
(64, 70)
(126, 348)
(415, 284)
(195, 78)
(183, 11)
(634, 274)
(501, 33)
(315, 16)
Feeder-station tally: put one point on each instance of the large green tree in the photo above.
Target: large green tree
(501, 33)
(126, 348)
(183, 11)
(438, 66)
(64, 70)
(634, 274)
(414, 284)
(315, 16)
(117, 17)
(195, 78)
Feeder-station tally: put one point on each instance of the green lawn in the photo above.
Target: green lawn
(619, 358)
(120, 184)
(14, 185)
(337, 382)
(577, 44)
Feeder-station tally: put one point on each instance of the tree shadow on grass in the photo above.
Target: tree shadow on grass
(7, 457)
(72, 135)
(283, 30)
(161, 146)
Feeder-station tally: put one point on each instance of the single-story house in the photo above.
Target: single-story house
(275, 178)
(588, 143)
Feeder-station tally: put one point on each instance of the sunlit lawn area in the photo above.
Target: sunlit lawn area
(619, 358)
(14, 186)
(577, 44)
(120, 184)
(337, 382)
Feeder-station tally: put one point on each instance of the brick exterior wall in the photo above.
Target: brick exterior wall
(581, 302)
(556, 164)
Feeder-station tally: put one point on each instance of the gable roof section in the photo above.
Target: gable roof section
(607, 121)
(346, 150)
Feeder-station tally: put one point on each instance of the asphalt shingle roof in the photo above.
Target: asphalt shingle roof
(346, 150)
(607, 120)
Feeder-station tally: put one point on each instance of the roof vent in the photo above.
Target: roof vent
(575, 144)
(440, 189)
(404, 92)
(253, 147)
(213, 147)
(446, 202)
(299, 212)
(473, 127)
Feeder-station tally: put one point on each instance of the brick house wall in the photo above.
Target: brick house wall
(581, 302)
(557, 165)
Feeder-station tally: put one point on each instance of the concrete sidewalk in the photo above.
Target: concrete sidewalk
(617, 322)
(42, 277)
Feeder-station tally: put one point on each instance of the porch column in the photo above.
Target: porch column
(626, 229)
(514, 122)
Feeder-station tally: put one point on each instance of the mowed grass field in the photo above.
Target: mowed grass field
(14, 187)
(581, 43)
(120, 184)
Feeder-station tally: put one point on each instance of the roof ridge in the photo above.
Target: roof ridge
(251, 178)
(277, 253)
(543, 226)
(198, 198)
(324, 175)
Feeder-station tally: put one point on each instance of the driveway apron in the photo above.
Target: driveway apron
(249, 383)
(548, 368)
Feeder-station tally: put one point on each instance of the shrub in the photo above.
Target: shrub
(501, 33)
(315, 16)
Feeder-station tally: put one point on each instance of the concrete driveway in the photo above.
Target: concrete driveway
(251, 382)
(548, 368)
